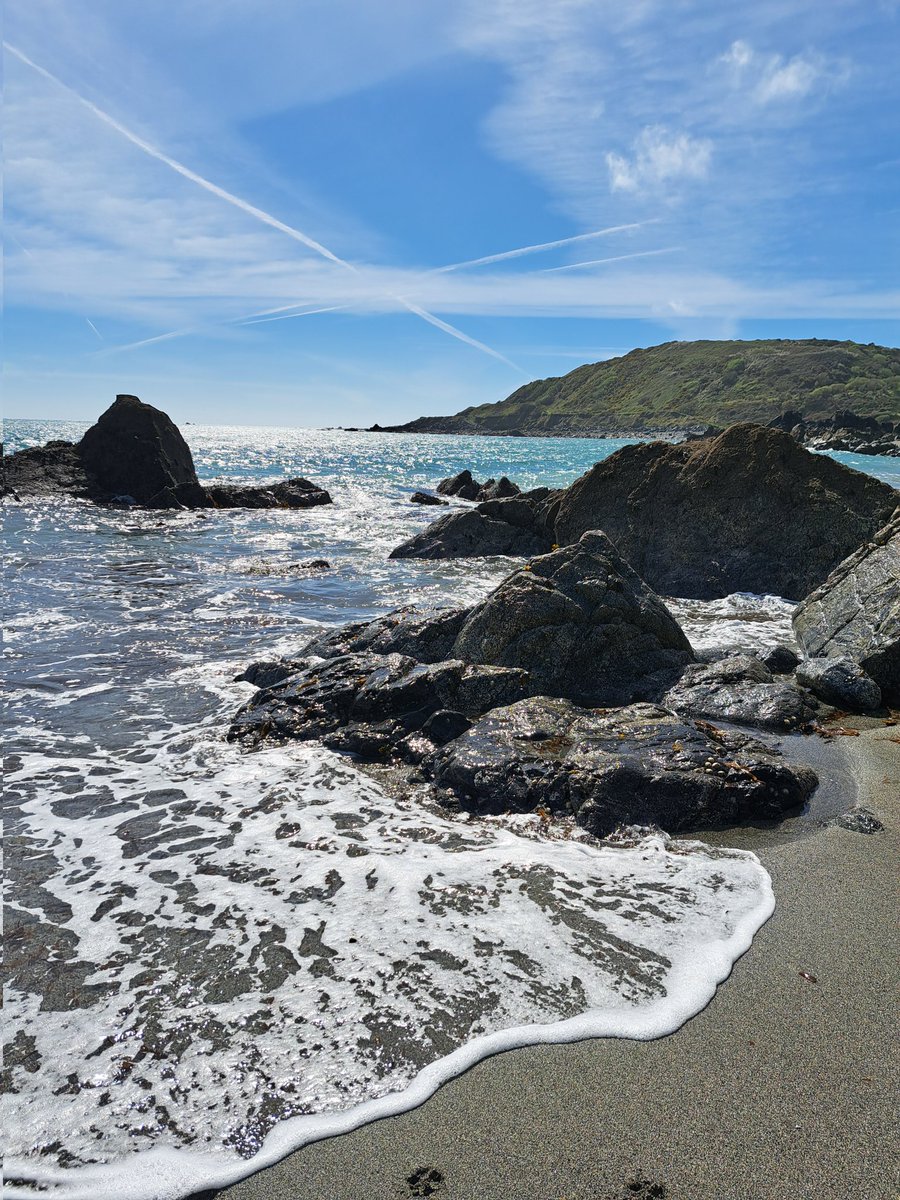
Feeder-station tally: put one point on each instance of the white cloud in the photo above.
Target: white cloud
(659, 159)
(770, 78)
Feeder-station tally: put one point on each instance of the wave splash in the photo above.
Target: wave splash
(249, 952)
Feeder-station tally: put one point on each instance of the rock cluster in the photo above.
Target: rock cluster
(465, 487)
(135, 454)
(746, 510)
(499, 704)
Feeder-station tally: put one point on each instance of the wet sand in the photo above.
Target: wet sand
(784, 1087)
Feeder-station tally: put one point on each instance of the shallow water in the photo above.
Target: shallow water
(216, 954)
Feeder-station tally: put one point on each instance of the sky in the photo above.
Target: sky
(334, 212)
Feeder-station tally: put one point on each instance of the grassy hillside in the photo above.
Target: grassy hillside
(693, 384)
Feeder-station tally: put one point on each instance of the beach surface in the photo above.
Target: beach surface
(784, 1086)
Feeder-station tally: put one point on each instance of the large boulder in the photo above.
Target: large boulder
(840, 682)
(136, 451)
(747, 511)
(583, 624)
(740, 688)
(855, 613)
(634, 765)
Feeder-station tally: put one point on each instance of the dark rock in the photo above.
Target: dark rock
(427, 638)
(268, 672)
(780, 659)
(749, 510)
(583, 624)
(45, 471)
(445, 725)
(425, 498)
(639, 764)
(855, 613)
(461, 485)
(136, 451)
(497, 489)
(289, 493)
(841, 682)
(313, 564)
(370, 702)
(739, 688)
(858, 820)
(471, 534)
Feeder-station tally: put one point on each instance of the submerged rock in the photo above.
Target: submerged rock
(636, 765)
(289, 493)
(740, 688)
(425, 498)
(841, 682)
(583, 624)
(855, 613)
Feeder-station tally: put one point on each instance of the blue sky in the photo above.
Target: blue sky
(184, 180)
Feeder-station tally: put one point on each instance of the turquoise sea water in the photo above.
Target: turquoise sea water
(205, 946)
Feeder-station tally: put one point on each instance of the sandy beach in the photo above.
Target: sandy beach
(785, 1086)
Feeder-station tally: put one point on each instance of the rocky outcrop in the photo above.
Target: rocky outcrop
(840, 682)
(135, 454)
(289, 493)
(45, 471)
(582, 623)
(844, 431)
(373, 704)
(465, 487)
(740, 688)
(747, 510)
(135, 451)
(855, 613)
(639, 764)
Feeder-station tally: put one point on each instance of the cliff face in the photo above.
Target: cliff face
(683, 385)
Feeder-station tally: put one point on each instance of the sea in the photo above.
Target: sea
(215, 956)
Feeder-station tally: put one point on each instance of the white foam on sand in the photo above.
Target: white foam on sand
(268, 950)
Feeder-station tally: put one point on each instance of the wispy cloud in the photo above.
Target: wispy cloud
(244, 206)
(658, 159)
(770, 78)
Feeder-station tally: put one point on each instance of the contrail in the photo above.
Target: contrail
(536, 249)
(457, 333)
(251, 319)
(95, 329)
(180, 168)
(595, 262)
(235, 201)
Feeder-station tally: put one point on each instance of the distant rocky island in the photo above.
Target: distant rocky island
(829, 395)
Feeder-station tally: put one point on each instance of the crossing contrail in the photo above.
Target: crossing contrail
(250, 319)
(595, 262)
(536, 249)
(235, 201)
